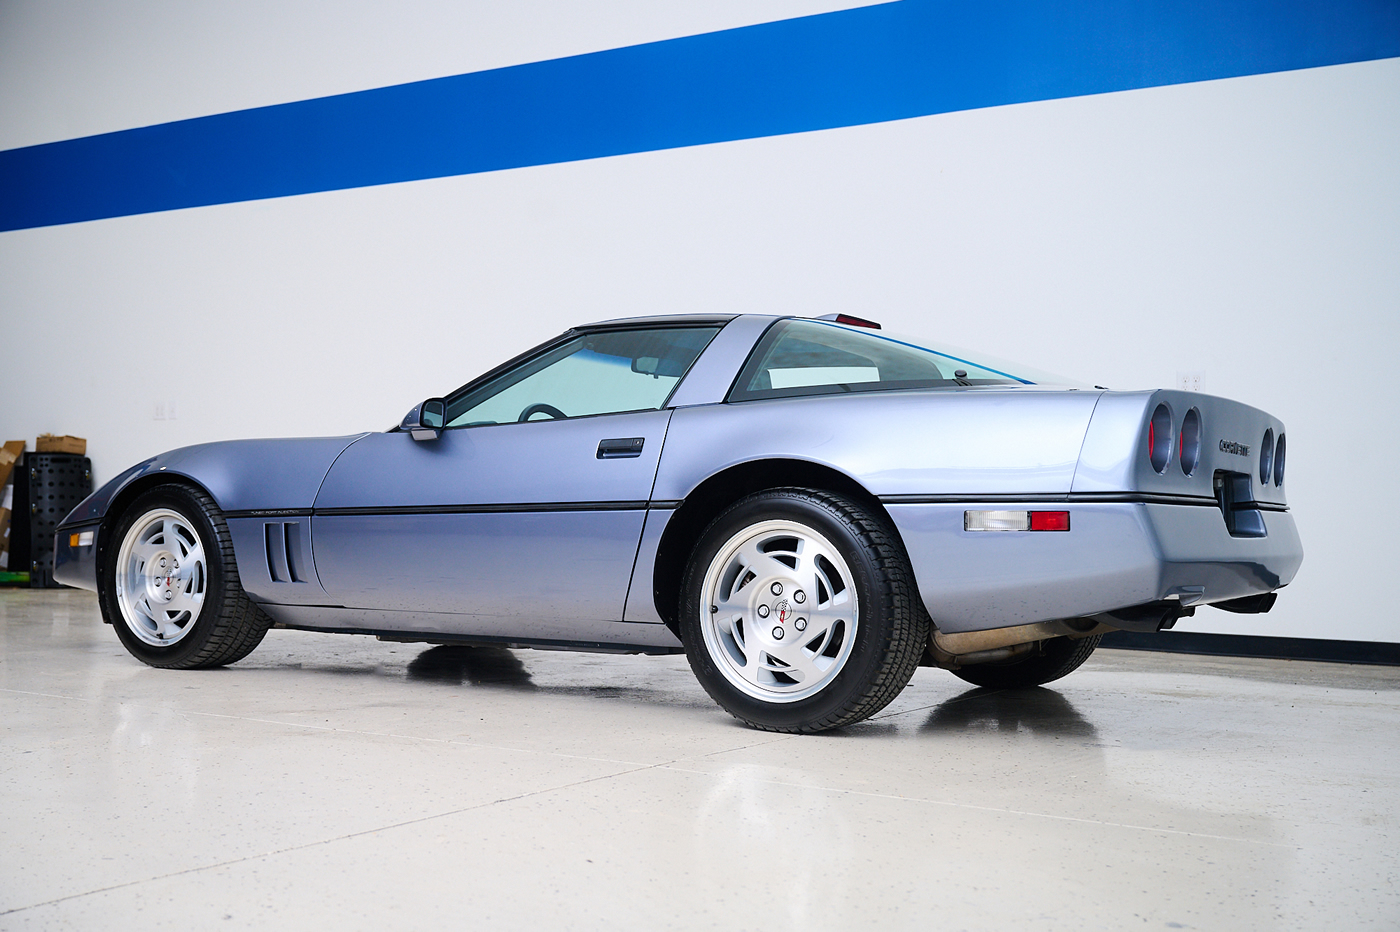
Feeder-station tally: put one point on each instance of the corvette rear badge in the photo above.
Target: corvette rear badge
(1229, 446)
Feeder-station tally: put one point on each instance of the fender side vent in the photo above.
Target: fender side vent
(282, 540)
(291, 533)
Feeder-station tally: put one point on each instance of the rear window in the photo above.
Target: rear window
(813, 357)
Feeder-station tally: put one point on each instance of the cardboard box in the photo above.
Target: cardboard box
(48, 443)
(9, 455)
(7, 502)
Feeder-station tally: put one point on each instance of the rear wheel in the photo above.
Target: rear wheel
(1056, 657)
(798, 612)
(170, 587)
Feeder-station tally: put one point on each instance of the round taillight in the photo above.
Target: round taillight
(1278, 460)
(1159, 438)
(1190, 441)
(1266, 457)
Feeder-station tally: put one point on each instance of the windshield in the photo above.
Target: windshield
(815, 357)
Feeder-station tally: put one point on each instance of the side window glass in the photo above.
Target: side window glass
(807, 357)
(594, 373)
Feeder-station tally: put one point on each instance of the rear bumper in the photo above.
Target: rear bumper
(75, 564)
(1114, 556)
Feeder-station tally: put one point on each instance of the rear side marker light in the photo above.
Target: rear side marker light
(1015, 520)
(1049, 520)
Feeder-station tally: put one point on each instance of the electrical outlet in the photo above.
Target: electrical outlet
(159, 413)
(1188, 381)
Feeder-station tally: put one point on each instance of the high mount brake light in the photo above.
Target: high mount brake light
(849, 320)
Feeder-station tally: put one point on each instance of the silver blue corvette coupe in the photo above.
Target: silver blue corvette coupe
(808, 508)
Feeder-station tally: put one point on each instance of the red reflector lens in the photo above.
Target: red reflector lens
(1049, 520)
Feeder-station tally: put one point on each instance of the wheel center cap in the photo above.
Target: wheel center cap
(162, 579)
(782, 610)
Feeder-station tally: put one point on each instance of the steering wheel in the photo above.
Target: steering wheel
(540, 408)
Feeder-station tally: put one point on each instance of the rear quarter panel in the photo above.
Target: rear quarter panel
(958, 442)
(930, 455)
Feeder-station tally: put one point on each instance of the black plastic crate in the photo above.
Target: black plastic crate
(47, 487)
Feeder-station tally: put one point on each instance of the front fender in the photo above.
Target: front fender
(241, 475)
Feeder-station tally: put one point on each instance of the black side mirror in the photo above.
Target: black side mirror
(426, 420)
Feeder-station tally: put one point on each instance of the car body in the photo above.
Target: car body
(1022, 513)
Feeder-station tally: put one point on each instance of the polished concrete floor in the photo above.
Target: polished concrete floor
(338, 782)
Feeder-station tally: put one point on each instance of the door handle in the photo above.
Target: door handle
(620, 448)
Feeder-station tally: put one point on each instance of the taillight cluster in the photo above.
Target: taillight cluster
(1271, 456)
(1162, 440)
(1159, 438)
(1190, 441)
(1185, 443)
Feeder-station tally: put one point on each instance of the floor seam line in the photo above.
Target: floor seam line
(1005, 811)
(327, 841)
(388, 734)
(28, 692)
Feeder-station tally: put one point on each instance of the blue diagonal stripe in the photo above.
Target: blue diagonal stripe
(868, 65)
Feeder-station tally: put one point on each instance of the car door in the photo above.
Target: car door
(523, 517)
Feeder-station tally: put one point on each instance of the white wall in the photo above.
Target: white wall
(1244, 229)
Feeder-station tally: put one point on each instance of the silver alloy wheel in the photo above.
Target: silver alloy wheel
(161, 577)
(779, 611)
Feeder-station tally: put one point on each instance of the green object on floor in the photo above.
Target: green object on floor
(12, 579)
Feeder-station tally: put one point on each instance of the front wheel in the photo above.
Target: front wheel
(798, 611)
(170, 586)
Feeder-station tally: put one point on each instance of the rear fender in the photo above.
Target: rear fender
(1115, 456)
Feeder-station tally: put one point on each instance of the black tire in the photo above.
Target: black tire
(862, 676)
(222, 628)
(1055, 658)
